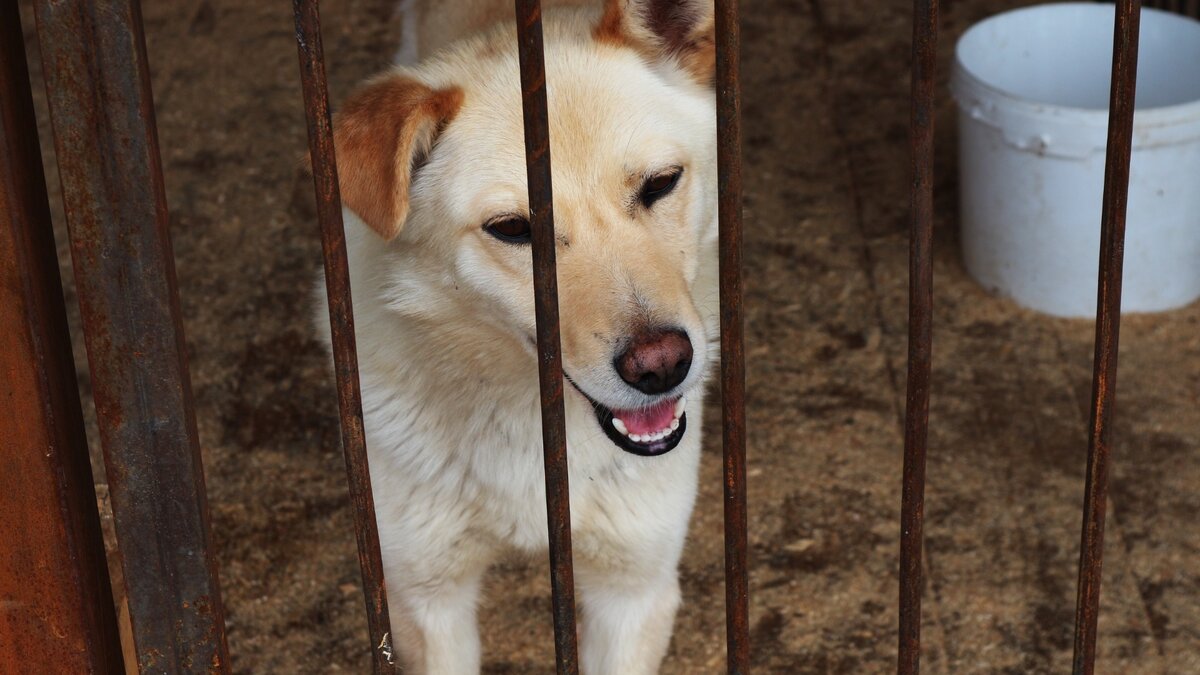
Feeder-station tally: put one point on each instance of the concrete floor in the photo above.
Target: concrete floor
(826, 115)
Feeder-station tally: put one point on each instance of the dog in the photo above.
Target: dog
(433, 182)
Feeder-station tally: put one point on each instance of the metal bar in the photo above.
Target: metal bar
(53, 571)
(920, 333)
(341, 320)
(733, 366)
(545, 289)
(98, 84)
(1108, 326)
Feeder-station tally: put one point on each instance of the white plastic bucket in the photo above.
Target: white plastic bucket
(1032, 87)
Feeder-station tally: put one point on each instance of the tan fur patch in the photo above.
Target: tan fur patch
(700, 57)
(378, 135)
(610, 30)
(696, 55)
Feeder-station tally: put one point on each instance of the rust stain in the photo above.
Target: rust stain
(727, 51)
(920, 333)
(106, 141)
(56, 602)
(550, 375)
(337, 279)
(1108, 326)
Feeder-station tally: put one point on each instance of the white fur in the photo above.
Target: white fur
(450, 393)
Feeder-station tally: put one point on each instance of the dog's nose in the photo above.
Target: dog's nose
(656, 361)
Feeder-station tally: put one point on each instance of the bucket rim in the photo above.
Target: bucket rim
(1150, 116)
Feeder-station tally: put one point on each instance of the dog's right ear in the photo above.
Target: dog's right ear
(380, 135)
(678, 29)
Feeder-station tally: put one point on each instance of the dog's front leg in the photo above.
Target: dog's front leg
(627, 622)
(435, 625)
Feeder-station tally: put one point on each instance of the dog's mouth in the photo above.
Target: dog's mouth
(649, 431)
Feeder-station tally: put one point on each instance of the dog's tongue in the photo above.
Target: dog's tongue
(648, 420)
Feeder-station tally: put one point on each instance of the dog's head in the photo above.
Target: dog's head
(433, 160)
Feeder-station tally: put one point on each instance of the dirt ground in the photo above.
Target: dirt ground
(826, 114)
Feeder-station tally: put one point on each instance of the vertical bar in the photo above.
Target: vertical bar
(1108, 326)
(545, 289)
(341, 320)
(920, 333)
(98, 85)
(52, 571)
(733, 366)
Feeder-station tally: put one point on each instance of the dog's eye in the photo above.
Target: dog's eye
(657, 187)
(512, 229)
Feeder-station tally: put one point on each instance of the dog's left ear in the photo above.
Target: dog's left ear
(664, 29)
(382, 133)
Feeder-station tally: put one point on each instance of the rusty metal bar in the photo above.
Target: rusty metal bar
(56, 604)
(341, 320)
(98, 85)
(733, 362)
(1108, 326)
(920, 333)
(545, 290)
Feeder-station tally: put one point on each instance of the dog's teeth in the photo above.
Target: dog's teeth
(654, 436)
(620, 426)
(679, 406)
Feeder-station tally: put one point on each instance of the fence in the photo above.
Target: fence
(103, 119)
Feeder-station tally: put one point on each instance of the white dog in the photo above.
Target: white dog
(432, 166)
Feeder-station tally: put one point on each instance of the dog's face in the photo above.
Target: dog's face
(634, 175)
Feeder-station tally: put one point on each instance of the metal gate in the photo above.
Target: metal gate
(105, 138)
